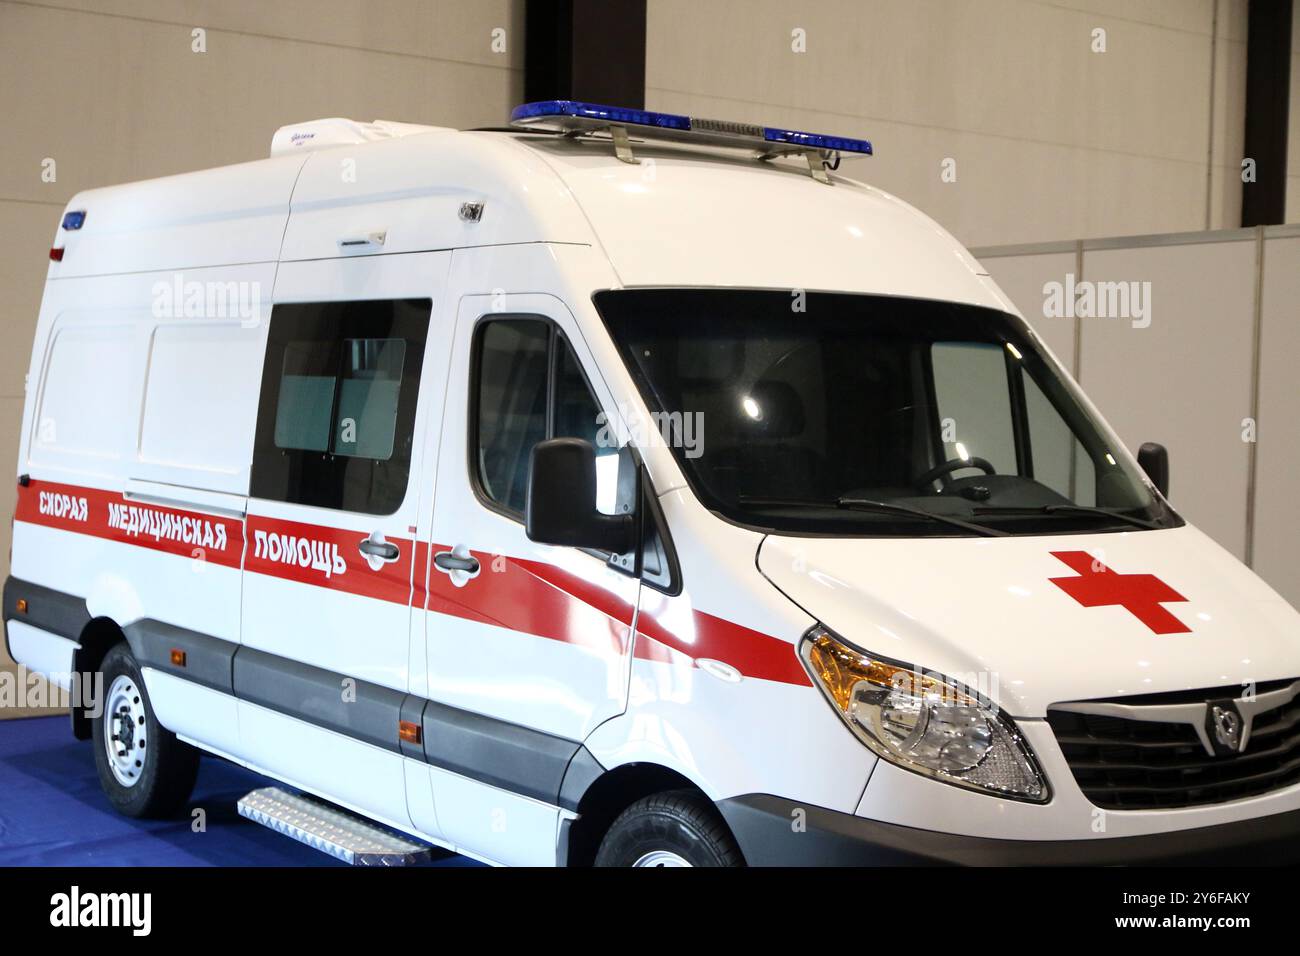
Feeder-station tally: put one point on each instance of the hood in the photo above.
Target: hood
(1036, 620)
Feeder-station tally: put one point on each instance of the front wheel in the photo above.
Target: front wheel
(144, 770)
(677, 828)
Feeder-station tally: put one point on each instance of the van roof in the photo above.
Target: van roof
(682, 215)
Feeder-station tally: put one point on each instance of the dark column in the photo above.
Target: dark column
(1268, 87)
(592, 50)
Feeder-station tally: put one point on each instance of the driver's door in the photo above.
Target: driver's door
(528, 645)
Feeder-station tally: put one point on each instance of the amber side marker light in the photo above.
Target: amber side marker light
(22, 605)
(178, 657)
(408, 731)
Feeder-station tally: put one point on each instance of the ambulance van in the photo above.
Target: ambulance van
(619, 488)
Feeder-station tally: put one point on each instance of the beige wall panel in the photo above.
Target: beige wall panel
(1185, 380)
(458, 30)
(1229, 94)
(1050, 139)
(1192, 16)
(1005, 191)
(1277, 480)
(1038, 81)
(156, 108)
(1228, 118)
(26, 231)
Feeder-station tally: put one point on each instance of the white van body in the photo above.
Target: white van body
(551, 688)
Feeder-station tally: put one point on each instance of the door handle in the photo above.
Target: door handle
(381, 549)
(449, 561)
(366, 240)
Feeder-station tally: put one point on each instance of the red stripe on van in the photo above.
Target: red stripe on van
(114, 517)
(522, 595)
(326, 557)
(671, 626)
(548, 601)
(535, 598)
(420, 580)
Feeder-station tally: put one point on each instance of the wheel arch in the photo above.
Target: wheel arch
(97, 638)
(604, 794)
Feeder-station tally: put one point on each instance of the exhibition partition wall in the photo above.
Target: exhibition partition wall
(1191, 340)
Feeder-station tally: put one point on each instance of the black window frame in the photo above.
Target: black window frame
(656, 542)
(323, 479)
(555, 337)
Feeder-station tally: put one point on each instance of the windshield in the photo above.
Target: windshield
(829, 413)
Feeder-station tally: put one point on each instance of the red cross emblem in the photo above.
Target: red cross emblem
(1140, 594)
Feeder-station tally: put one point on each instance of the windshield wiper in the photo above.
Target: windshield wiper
(1079, 510)
(866, 504)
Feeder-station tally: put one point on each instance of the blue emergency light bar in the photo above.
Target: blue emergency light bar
(607, 115)
(571, 116)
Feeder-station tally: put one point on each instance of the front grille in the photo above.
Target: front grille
(1127, 763)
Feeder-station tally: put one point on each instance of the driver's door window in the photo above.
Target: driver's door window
(530, 387)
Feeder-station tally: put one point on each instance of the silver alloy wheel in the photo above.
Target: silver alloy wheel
(124, 740)
(661, 858)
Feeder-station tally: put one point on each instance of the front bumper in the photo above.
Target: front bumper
(773, 831)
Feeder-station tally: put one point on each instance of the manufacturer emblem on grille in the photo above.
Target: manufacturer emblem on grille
(1105, 741)
(1226, 726)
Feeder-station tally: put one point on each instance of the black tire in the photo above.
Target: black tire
(679, 822)
(166, 767)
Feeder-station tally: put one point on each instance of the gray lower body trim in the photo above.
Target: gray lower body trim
(519, 759)
(525, 761)
(48, 609)
(56, 613)
(763, 826)
(584, 770)
(354, 708)
(208, 660)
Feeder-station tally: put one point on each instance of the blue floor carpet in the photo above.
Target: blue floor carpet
(53, 813)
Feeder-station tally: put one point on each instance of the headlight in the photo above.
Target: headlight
(923, 722)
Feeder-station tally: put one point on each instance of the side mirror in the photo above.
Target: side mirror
(1154, 460)
(561, 505)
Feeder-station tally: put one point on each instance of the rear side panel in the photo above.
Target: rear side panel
(135, 471)
(126, 505)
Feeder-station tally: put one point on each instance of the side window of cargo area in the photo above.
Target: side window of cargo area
(527, 387)
(336, 417)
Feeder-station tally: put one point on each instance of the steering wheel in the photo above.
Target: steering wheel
(954, 464)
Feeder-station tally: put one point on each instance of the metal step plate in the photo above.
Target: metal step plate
(330, 830)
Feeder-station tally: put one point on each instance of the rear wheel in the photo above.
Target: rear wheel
(672, 829)
(144, 770)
